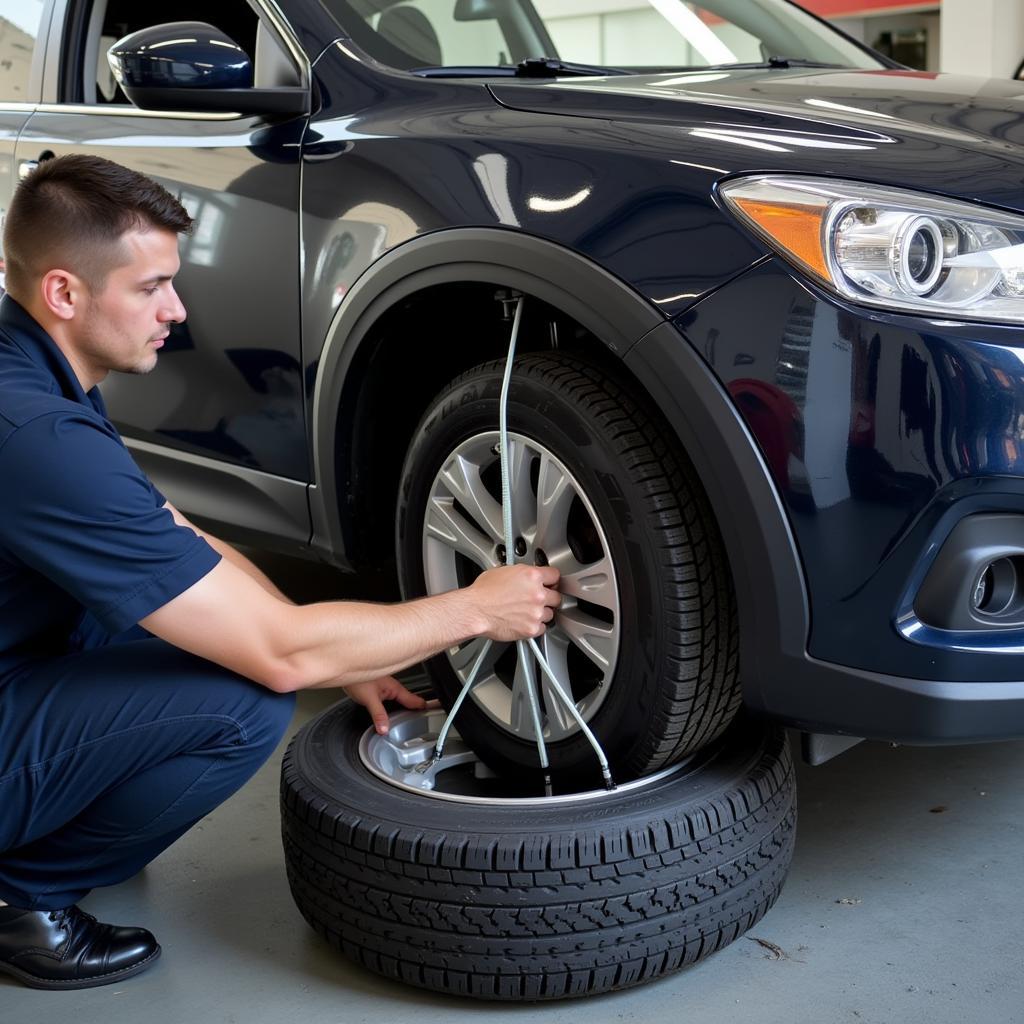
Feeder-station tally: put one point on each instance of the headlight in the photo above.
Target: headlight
(889, 247)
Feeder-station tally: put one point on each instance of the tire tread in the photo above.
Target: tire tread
(539, 914)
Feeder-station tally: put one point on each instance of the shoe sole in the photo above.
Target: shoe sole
(102, 979)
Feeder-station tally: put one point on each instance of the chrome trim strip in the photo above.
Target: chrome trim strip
(209, 463)
(117, 110)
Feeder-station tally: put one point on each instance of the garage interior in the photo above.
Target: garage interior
(901, 903)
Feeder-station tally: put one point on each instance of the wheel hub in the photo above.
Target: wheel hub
(554, 524)
(404, 757)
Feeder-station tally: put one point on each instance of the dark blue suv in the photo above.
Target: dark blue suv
(767, 416)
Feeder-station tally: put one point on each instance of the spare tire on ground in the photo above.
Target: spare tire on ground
(433, 874)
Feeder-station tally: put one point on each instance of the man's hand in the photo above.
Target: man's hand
(373, 693)
(517, 600)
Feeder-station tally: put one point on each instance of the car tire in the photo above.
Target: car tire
(534, 898)
(673, 685)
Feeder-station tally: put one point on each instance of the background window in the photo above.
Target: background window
(19, 27)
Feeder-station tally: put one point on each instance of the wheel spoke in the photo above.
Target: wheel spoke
(464, 521)
(521, 717)
(555, 494)
(464, 658)
(462, 478)
(523, 502)
(593, 582)
(594, 638)
(448, 526)
(554, 645)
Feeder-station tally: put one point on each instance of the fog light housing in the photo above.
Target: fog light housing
(976, 582)
(997, 587)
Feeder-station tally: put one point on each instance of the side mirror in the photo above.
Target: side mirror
(189, 65)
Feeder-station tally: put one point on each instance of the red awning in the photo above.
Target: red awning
(844, 8)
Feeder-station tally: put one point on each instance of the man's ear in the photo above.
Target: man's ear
(63, 293)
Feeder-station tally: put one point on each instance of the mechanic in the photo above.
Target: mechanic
(147, 669)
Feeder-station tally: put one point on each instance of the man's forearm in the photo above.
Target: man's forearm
(229, 618)
(338, 643)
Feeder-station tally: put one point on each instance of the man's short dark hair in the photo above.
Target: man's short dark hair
(71, 213)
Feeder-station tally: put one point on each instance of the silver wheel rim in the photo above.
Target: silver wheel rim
(404, 758)
(556, 523)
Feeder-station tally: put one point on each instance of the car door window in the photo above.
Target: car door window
(19, 28)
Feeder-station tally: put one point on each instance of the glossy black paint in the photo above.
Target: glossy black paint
(780, 676)
(229, 383)
(422, 155)
(839, 445)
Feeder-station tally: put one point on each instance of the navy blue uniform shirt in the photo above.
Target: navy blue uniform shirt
(82, 530)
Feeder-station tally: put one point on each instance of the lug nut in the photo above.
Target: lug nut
(520, 547)
(539, 558)
(500, 552)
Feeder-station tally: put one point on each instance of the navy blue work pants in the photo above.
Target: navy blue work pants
(110, 754)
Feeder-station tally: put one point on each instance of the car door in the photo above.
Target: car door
(22, 50)
(219, 425)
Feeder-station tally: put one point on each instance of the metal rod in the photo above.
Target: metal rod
(442, 736)
(526, 650)
(506, 484)
(570, 706)
(510, 545)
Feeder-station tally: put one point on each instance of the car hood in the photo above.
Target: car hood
(953, 134)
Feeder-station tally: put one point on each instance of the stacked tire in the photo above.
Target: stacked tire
(543, 900)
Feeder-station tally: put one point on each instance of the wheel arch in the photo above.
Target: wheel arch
(497, 258)
(771, 594)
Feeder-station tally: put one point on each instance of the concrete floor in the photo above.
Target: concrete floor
(903, 905)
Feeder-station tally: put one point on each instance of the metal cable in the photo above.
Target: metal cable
(524, 648)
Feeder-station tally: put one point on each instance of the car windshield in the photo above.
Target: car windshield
(618, 36)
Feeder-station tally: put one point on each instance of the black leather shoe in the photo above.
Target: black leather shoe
(70, 949)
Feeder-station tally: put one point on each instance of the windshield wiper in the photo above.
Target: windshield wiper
(551, 67)
(771, 62)
(532, 67)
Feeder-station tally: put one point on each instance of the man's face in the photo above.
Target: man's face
(124, 323)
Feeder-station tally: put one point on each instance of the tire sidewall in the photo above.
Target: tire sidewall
(326, 752)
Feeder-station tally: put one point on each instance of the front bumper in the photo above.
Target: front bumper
(880, 434)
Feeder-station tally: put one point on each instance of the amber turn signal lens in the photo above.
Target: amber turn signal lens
(795, 227)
